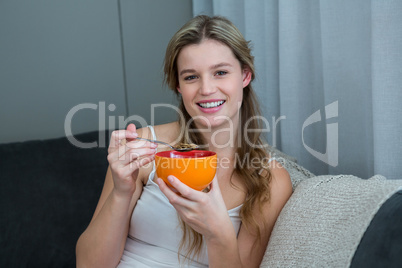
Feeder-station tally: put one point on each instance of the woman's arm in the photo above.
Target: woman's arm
(102, 243)
(251, 252)
(248, 250)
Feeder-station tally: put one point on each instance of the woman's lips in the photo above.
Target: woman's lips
(210, 106)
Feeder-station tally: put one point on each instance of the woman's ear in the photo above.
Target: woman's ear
(246, 76)
(178, 89)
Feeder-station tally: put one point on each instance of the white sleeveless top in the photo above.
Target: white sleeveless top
(155, 233)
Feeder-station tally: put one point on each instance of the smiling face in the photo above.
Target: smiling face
(211, 83)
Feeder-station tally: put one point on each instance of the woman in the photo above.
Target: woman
(140, 221)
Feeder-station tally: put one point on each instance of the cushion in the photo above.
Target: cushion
(381, 245)
(324, 220)
(296, 172)
(49, 191)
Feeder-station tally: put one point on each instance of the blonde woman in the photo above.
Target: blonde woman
(140, 221)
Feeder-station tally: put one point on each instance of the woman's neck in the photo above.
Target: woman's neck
(222, 140)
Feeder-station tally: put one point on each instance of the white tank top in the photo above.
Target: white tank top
(155, 233)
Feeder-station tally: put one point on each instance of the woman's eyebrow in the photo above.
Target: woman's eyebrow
(219, 65)
(215, 66)
(186, 71)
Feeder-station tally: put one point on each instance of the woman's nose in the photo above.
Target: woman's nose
(207, 87)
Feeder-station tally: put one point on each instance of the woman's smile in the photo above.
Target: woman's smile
(210, 104)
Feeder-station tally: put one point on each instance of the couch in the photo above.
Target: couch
(50, 188)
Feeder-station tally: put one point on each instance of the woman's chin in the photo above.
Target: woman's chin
(210, 123)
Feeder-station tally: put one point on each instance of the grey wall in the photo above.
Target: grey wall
(89, 61)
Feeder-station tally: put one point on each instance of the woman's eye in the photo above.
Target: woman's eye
(221, 73)
(190, 77)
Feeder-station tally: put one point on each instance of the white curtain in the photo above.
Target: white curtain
(329, 77)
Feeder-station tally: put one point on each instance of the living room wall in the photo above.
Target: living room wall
(83, 64)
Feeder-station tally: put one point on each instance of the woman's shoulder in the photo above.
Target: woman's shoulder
(281, 185)
(278, 171)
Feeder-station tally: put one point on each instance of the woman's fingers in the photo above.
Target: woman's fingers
(140, 143)
(134, 146)
(119, 135)
(134, 154)
(193, 206)
(127, 170)
(182, 190)
(131, 150)
(131, 128)
(125, 155)
(172, 195)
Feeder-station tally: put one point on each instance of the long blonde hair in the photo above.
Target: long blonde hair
(251, 146)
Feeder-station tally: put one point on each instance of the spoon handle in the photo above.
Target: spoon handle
(161, 142)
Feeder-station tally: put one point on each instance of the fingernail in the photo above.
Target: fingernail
(170, 179)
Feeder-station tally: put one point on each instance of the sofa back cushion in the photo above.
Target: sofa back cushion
(49, 190)
(322, 223)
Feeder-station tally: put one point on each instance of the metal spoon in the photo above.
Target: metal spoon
(179, 149)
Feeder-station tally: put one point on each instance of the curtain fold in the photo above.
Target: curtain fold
(329, 78)
(387, 87)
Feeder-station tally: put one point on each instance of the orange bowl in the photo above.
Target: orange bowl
(195, 168)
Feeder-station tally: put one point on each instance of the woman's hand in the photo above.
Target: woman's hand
(206, 213)
(126, 155)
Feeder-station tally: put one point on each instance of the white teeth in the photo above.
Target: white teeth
(211, 104)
